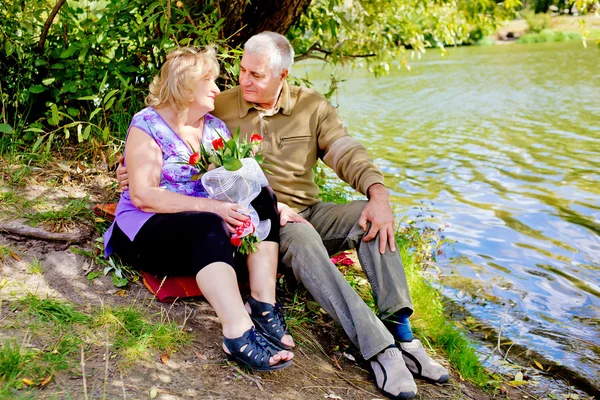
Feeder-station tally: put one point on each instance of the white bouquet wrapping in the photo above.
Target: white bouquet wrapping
(240, 186)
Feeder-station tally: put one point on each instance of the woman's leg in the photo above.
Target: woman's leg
(218, 284)
(262, 264)
(193, 243)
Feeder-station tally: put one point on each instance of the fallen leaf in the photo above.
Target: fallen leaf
(28, 382)
(15, 255)
(153, 393)
(349, 356)
(164, 358)
(538, 365)
(519, 377)
(46, 381)
(121, 293)
(201, 356)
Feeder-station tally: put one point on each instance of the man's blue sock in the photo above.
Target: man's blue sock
(399, 326)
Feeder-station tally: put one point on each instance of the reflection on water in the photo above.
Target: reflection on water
(505, 143)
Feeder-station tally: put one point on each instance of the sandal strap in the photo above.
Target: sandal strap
(255, 354)
(269, 320)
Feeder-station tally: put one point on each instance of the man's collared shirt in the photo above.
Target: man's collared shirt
(302, 127)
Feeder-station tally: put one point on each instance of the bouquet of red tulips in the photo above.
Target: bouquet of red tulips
(230, 171)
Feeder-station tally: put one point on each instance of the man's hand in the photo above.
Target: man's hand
(379, 213)
(286, 214)
(122, 174)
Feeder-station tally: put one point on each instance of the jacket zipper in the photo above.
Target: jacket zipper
(283, 140)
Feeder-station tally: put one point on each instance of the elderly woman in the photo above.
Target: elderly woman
(165, 223)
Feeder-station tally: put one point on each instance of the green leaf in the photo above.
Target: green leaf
(49, 143)
(48, 81)
(54, 110)
(37, 89)
(105, 133)
(39, 63)
(87, 98)
(68, 52)
(86, 132)
(37, 143)
(119, 282)
(67, 133)
(79, 134)
(109, 104)
(58, 66)
(6, 128)
(231, 163)
(38, 130)
(109, 95)
(93, 114)
(259, 159)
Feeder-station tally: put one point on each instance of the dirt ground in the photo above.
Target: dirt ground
(199, 371)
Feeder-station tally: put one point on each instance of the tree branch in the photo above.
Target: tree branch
(48, 23)
(315, 47)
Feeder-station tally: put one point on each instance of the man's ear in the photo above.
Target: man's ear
(284, 74)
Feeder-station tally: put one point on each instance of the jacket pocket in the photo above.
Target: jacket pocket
(284, 141)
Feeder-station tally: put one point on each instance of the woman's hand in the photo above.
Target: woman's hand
(231, 213)
(286, 214)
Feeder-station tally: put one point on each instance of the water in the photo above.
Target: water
(502, 144)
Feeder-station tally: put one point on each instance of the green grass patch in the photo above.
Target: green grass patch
(52, 310)
(35, 266)
(77, 210)
(133, 334)
(54, 333)
(549, 35)
(432, 325)
(5, 253)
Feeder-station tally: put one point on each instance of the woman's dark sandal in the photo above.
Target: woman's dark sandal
(252, 350)
(269, 321)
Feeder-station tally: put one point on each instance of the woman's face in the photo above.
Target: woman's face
(204, 94)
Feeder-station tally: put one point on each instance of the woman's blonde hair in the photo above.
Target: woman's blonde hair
(176, 81)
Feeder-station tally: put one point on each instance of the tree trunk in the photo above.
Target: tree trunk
(244, 18)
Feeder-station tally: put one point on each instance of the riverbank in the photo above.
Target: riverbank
(66, 330)
(566, 25)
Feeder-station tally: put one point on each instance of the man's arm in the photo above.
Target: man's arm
(351, 162)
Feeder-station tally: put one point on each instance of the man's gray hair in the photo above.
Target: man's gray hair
(275, 46)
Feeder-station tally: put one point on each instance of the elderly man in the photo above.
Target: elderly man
(298, 127)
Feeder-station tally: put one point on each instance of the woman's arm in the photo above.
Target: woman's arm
(144, 165)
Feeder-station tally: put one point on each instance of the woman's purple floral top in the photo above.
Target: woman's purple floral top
(176, 176)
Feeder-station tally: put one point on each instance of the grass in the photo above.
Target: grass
(77, 210)
(5, 253)
(35, 266)
(55, 332)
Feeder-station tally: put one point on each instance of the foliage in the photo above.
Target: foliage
(537, 22)
(379, 32)
(76, 85)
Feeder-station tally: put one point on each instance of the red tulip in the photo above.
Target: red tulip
(255, 138)
(236, 241)
(194, 158)
(218, 144)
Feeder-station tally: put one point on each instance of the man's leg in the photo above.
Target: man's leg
(302, 250)
(338, 227)
(337, 224)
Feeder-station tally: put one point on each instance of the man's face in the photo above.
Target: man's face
(257, 81)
